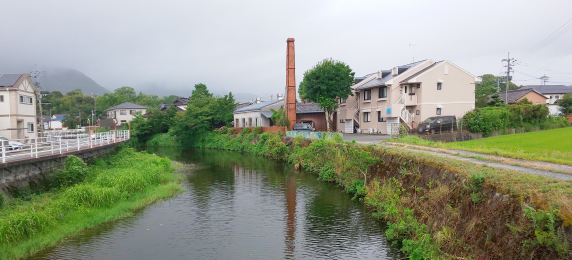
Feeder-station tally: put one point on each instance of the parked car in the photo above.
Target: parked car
(437, 124)
(11, 145)
(303, 127)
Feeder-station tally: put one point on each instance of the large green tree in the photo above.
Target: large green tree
(566, 103)
(325, 83)
(490, 84)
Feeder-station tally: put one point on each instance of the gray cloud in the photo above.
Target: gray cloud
(165, 47)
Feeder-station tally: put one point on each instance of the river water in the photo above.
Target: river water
(238, 206)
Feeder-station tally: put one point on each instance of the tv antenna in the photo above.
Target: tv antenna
(413, 45)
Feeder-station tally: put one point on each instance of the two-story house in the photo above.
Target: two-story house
(406, 94)
(17, 106)
(125, 112)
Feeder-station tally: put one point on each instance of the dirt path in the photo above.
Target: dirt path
(558, 171)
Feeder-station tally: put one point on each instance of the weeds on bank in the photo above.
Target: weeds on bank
(82, 190)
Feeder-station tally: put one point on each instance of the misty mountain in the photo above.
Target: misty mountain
(66, 80)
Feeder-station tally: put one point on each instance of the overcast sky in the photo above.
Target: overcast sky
(165, 47)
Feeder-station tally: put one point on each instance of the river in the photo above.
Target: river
(238, 206)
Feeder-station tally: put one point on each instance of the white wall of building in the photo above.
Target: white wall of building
(251, 119)
(16, 114)
(129, 114)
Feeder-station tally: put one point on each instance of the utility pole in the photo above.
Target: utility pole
(36, 74)
(509, 62)
(543, 79)
(94, 105)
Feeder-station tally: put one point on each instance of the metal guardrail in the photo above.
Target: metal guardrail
(58, 143)
(314, 135)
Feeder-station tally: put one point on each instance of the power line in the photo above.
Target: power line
(548, 40)
(554, 61)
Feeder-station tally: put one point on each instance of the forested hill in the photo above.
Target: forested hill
(66, 80)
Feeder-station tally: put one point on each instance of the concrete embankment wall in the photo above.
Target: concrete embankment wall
(20, 173)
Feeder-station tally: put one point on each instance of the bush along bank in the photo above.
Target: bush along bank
(82, 196)
(435, 208)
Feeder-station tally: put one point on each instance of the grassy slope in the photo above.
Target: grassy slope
(550, 145)
(77, 219)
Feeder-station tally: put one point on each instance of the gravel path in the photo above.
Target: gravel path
(561, 176)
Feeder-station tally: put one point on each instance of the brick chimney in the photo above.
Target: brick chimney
(290, 102)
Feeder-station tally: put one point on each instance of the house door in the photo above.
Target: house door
(20, 127)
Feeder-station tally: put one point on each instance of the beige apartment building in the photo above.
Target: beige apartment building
(17, 106)
(407, 94)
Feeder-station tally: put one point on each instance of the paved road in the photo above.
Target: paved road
(366, 138)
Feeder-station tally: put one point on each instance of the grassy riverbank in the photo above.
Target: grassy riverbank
(109, 188)
(435, 207)
(549, 145)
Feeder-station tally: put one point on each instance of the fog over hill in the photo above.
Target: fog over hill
(66, 80)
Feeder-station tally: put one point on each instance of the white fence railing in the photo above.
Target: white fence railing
(57, 143)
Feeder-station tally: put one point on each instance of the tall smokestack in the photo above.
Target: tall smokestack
(290, 103)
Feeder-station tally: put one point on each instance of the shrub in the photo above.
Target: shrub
(245, 131)
(232, 131)
(3, 199)
(258, 130)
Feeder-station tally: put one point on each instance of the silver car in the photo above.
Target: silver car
(10, 145)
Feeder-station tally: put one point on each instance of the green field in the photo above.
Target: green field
(550, 145)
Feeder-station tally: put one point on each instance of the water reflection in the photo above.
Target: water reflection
(238, 206)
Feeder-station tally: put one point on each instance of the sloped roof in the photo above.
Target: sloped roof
(514, 95)
(59, 118)
(8, 80)
(380, 81)
(127, 105)
(267, 114)
(308, 108)
(258, 106)
(242, 105)
(46, 118)
(421, 71)
(181, 101)
(550, 89)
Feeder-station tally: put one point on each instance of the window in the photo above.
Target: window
(132, 112)
(418, 85)
(551, 97)
(367, 94)
(557, 97)
(342, 120)
(405, 89)
(123, 121)
(538, 103)
(366, 116)
(1, 98)
(379, 118)
(26, 100)
(439, 86)
(123, 112)
(417, 112)
(382, 92)
(438, 111)
(30, 127)
(342, 100)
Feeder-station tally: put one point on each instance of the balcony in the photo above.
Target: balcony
(411, 99)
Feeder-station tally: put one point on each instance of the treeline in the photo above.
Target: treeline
(204, 113)
(77, 106)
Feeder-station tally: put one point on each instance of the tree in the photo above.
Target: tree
(279, 117)
(496, 101)
(325, 83)
(566, 103)
(488, 86)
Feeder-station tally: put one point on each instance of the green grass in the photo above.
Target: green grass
(114, 187)
(550, 145)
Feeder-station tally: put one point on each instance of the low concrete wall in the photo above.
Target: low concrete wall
(20, 173)
(265, 129)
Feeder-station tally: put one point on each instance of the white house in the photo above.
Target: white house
(17, 106)
(125, 112)
(257, 114)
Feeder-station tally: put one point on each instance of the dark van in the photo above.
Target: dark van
(438, 124)
(303, 127)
